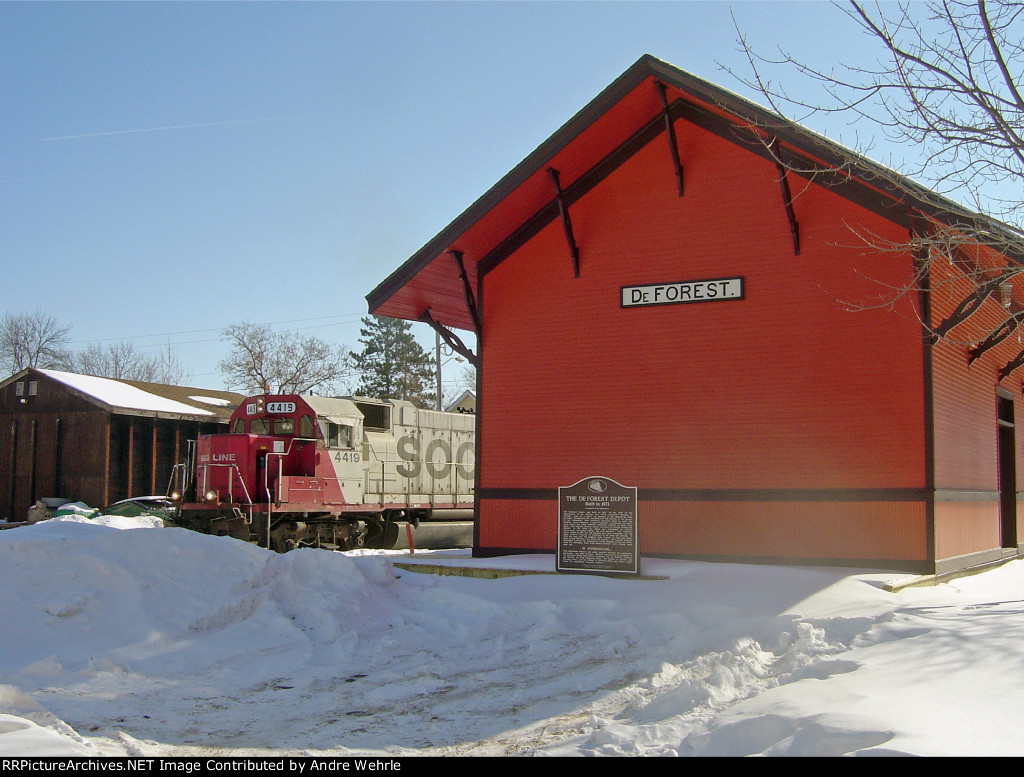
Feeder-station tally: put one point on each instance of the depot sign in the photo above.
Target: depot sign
(712, 290)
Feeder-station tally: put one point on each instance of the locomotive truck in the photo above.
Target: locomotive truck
(337, 473)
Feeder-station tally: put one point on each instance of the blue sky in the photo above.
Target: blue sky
(168, 169)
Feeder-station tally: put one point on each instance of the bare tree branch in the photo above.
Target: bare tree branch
(262, 360)
(947, 87)
(33, 340)
(126, 362)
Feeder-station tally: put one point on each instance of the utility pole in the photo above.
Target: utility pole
(437, 361)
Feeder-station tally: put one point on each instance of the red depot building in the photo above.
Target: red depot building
(729, 313)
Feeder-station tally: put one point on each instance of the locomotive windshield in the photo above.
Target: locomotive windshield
(279, 425)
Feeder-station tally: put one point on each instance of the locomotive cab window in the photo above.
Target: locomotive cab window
(284, 426)
(339, 436)
(259, 426)
(306, 427)
(238, 427)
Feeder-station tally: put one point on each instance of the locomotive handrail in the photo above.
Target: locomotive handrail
(370, 454)
(172, 482)
(266, 488)
(280, 468)
(187, 470)
(451, 494)
(280, 461)
(231, 481)
(272, 498)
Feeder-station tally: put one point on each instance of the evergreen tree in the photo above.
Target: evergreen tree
(392, 364)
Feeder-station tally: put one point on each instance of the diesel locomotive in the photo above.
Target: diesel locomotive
(337, 473)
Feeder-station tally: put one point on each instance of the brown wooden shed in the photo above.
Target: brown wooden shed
(96, 440)
(671, 271)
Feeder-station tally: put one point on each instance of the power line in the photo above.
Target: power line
(350, 316)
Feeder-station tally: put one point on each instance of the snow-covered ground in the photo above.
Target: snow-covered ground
(127, 639)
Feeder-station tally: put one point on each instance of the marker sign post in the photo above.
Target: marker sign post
(597, 527)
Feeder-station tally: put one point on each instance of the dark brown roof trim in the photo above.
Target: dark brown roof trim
(576, 190)
(850, 188)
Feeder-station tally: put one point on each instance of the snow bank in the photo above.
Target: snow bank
(174, 643)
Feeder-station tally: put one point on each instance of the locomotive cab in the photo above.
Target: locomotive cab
(267, 442)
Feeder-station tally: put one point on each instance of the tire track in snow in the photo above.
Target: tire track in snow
(687, 696)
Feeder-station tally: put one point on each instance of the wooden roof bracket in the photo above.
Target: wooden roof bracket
(922, 275)
(1004, 330)
(563, 209)
(670, 130)
(970, 304)
(787, 196)
(451, 339)
(1018, 361)
(467, 290)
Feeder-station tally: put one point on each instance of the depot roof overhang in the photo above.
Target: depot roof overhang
(622, 118)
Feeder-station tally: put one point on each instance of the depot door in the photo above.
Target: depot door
(1007, 473)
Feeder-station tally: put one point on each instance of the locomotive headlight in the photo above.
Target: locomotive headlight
(175, 496)
(211, 495)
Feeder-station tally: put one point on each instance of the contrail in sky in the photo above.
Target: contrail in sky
(183, 126)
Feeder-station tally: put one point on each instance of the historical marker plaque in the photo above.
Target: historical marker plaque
(597, 527)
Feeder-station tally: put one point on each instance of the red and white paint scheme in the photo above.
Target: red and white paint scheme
(339, 473)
